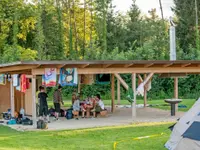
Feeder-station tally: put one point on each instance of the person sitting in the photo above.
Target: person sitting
(99, 106)
(76, 108)
(87, 105)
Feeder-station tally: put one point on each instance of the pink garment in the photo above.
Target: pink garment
(23, 83)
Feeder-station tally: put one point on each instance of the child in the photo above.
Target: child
(76, 108)
(42, 100)
(84, 106)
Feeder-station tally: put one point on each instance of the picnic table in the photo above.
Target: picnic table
(173, 103)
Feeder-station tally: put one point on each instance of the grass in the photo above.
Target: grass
(87, 139)
(155, 103)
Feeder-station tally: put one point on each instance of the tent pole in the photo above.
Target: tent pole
(34, 101)
(134, 95)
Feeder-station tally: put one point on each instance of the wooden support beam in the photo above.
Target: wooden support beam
(125, 85)
(34, 102)
(118, 92)
(186, 65)
(128, 65)
(145, 92)
(113, 92)
(168, 65)
(140, 78)
(61, 66)
(148, 78)
(12, 98)
(84, 66)
(79, 84)
(134, 114)
(106, 65)
(148, 65)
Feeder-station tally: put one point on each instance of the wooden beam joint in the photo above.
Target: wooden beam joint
(148, 65)
(125, 85)
(186, 65)
(128, 65)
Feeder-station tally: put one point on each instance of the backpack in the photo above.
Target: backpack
(62, 113)
(27, 121)
(51, 112)
(41, 124)
(11, 122)
(69, 114)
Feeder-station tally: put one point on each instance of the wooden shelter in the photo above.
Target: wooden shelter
(33, 69)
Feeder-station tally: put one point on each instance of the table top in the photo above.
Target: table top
(173, 101)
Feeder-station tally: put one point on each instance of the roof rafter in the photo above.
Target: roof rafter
(128, 65)
(186, 65)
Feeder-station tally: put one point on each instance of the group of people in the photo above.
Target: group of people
(42, 105)
(90, 105)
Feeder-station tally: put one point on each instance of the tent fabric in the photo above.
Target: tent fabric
(193, 132)
(188, 144)
(181, 127)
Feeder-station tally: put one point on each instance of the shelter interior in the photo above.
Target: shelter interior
(11, 98)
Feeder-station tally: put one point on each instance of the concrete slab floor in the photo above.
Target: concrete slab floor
(121, 116)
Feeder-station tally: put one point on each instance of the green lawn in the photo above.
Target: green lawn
(155, 103)
(86, 139)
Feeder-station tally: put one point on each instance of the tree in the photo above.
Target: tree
(186, 31)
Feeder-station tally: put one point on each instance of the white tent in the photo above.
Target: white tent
(186, 133)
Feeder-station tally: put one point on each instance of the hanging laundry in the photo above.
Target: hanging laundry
(50, 77)
(27, 83)
(2, 79)
(23, 83)
(149, 86)
(43, 80)
(15, 80)
(68, 77)
(140, 89)
(9, 77)
(18, 88)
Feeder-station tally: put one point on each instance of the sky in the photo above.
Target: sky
(145, 6)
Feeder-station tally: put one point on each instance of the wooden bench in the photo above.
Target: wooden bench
(104, 113)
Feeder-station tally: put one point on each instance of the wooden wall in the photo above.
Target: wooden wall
(21, 100)
(5, 97)
(28, 101)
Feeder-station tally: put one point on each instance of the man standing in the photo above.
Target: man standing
(57, 100)
(43, 106)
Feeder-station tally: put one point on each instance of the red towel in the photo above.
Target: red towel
(23, 83)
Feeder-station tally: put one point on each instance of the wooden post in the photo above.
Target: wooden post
(118, 92)
(113, 92)
(134, 95)
(79, 84)
(145, 92)
(176, 91)
(34, 101)
(12, 98)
